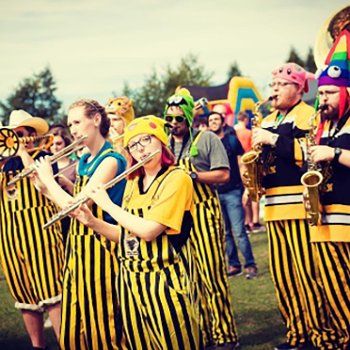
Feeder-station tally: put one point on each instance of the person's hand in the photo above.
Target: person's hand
(262, 136)
(245, 197)
(22, 149)
(321, 153)
(99, 196)
(65, 183)
(43, 169)
(38, 184)
(84, 215)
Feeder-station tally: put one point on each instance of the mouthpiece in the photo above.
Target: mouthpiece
(322, 108)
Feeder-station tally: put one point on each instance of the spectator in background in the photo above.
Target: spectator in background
(222, 109)
(243, 133)
(252, 219)
(230, 195)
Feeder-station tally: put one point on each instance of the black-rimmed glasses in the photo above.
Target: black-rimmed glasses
(144, 141)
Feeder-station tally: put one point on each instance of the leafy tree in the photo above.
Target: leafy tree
(295, 58)
(151, 97)
(36, 95)
(310, 64)
(234, 70)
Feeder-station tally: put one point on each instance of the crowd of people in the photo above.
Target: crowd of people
(144, 263)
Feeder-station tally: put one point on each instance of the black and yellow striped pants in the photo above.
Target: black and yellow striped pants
(31, 259)
(157, 310)
(334, 263)
(298, 285)
(90, 317)
(208, 240)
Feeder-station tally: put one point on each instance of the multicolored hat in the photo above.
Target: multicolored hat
(182, 99)
(337, 66)
(149, 124)
(293, 73)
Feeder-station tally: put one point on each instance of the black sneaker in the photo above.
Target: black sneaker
(257, 227)
(286, 346)
(248, 229)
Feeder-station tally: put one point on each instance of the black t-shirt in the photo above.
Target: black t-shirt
(233, 148)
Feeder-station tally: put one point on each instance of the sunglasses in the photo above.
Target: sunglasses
(178, 118)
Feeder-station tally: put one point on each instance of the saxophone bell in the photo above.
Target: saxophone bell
(311, 180)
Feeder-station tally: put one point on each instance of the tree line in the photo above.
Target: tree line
(37, 94)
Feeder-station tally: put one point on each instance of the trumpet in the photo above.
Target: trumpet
(252, 178)
(313, 178)
(65, 152)
(10, 141)
(65, 212)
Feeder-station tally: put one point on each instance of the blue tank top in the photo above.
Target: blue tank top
(86, 168)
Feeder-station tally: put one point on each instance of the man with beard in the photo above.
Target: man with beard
(230, 195)
(332, 236)
(294, 273)
(203, 156)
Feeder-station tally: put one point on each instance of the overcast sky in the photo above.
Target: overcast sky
(93, 46)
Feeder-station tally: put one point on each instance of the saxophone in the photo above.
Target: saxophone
(252, 177)
(313, 177)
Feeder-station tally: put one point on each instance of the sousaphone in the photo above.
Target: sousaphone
(333, 26)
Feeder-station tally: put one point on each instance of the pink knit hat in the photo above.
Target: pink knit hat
(293, 73)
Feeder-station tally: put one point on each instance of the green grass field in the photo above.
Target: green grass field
(258, 320)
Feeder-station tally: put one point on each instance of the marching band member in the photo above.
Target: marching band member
(89, 303)
(204, 157)
(155, 224)
(32, 260)
(120, 111)
(292, 257)
(331, 237)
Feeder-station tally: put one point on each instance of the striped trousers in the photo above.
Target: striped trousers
(297, 280)
(334, 262)
(208, 239)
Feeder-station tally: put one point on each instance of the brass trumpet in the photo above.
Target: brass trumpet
(65, 152)
(10, 141)
(65, 212)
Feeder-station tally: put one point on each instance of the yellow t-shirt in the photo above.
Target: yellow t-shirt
(165, 201)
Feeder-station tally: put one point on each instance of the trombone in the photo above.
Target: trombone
(10, 141)
(64, 212)
(65, 152)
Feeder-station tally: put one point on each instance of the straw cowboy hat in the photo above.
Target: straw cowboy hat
(22, 118)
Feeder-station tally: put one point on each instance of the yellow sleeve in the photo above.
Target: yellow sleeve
(174, 197)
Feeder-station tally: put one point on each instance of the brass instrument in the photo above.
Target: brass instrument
(329, 32)
(65, 212)
(252, 178)
(313, 177)
(10, 141)
(65, 152)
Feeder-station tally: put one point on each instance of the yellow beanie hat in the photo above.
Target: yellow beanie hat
(148, 124)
